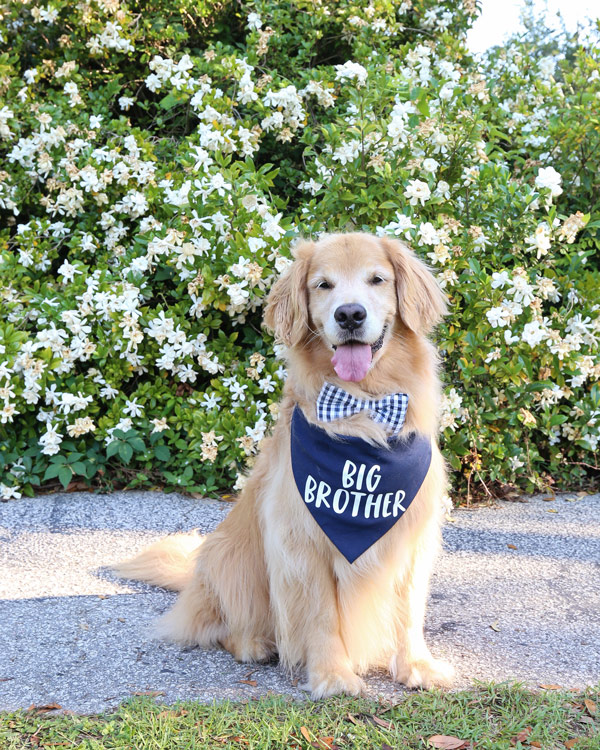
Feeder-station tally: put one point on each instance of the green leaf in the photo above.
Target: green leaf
(65, 475)
(112, 448)
(52, 471)
(125, 452)
(162, 452)
(78, 467)
(137, 444)
(169, 101)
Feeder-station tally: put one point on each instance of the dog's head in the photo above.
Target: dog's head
(351, 293)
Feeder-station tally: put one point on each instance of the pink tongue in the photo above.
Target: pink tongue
(351, 361)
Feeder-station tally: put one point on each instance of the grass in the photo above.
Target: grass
(491, 717)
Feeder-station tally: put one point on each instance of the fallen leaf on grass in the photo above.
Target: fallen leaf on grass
(446, 742)
(570, 744)
(252, 683)
(305, 733)
(550, 687)
(591, 706)
(551, 510)
(354, 720)
(323, 743)
(522, 736)
(511, 546)
(381, 722)
(495, 626)
(535, 744)
(549, 498)
(44, 709)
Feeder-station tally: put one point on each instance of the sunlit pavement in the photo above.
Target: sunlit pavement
(515, 596)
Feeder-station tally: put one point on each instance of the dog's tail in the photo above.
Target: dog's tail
(169, 563)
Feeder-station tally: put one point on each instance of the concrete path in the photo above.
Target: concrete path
(516, 595)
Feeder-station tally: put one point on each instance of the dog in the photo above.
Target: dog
(354, 312)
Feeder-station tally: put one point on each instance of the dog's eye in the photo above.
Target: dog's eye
(377, 280)
(324, 285)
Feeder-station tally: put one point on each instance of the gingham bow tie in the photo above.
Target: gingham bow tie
(335, 403)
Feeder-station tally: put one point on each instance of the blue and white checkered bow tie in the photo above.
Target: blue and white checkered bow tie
(335, 403)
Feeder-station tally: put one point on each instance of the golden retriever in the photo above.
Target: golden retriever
(268, 579)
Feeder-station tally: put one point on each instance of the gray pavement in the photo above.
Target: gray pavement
(515, 596)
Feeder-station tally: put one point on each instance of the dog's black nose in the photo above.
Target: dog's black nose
(350, 317)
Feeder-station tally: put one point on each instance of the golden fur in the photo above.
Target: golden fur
(268, 579)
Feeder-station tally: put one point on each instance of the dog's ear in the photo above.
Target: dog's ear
(286, 312)
(421, 302)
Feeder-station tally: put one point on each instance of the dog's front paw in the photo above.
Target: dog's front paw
(322, 684)
(422, 673)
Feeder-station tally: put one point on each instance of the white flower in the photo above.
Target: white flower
(351, 71)
(125, 102)
(440, 254)
(266, 384)
(133, 408)
(430, 165)
(533, 333)
(109, 392)
(51, 440)
(402, 225)
(160, 424)
(210, 401)
(521, 290)
(500, 279)
(254, 21)
(540, 241)
(428, 234)
(6, 492)
(549, 178)
(237, 391)
(447, 91)
(238, 293)
(310, 186)
(442, 190)
(417, 191)
(81, 426)
(547, 66)
(451, 410)
(496, 317)
(68, 271)
(271, 227)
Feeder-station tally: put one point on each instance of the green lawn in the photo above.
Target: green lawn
(496, 717)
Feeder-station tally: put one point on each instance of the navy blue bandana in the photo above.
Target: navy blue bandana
(356, 491)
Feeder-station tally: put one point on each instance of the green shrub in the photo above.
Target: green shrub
(160, 160)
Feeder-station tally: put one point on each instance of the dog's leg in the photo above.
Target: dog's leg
(196, 618)
(226, 601)
(303, 593)
(413, 664)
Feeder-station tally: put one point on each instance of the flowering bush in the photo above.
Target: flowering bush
(158, 164)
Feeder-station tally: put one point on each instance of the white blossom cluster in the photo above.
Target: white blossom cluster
(148, 214)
